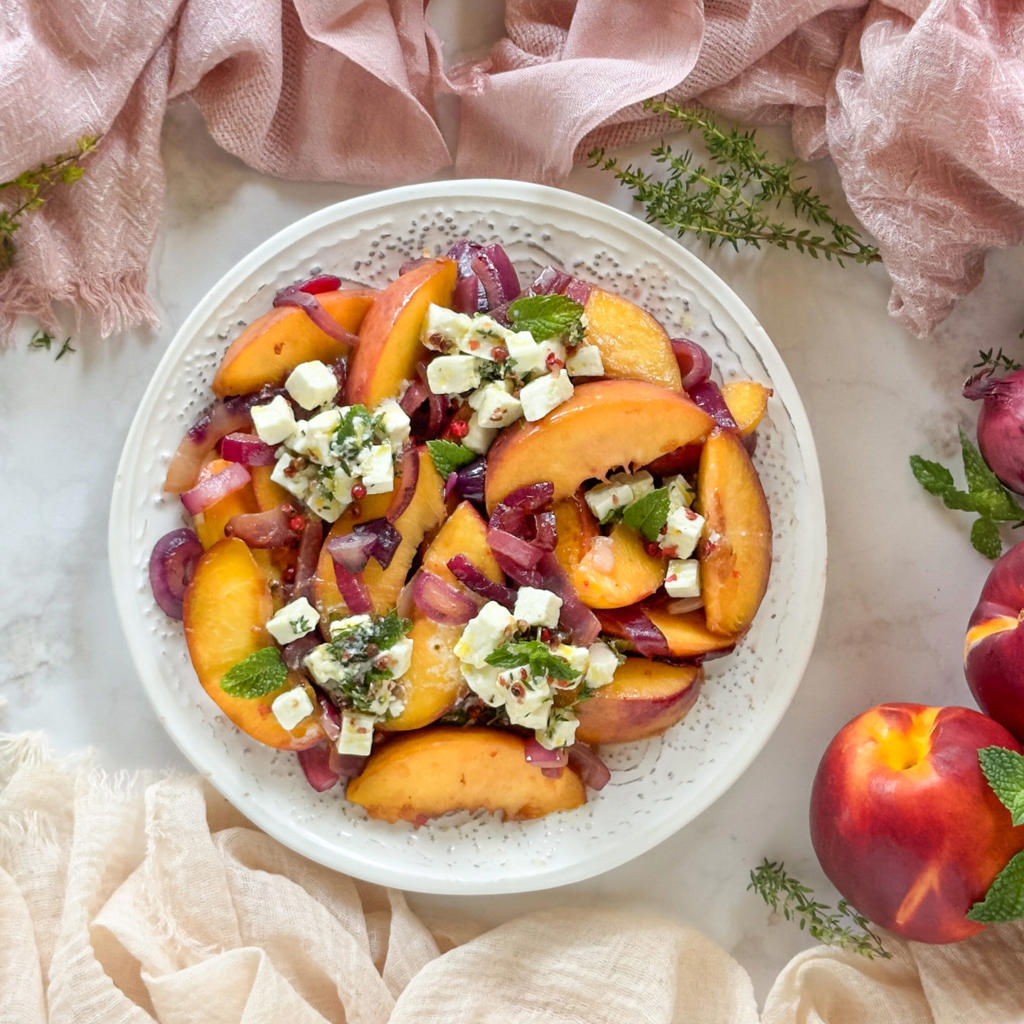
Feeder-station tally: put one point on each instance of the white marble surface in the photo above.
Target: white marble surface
(902, 576)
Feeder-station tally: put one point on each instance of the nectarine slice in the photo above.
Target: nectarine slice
(747, 400)
(227, 604)
(643, 700)
(686, 635)
(632, 343)
(433, 771)
(268, 494)
(389, 338)
(434, 681)
(735, 549)
(275, 343)
(605, 424)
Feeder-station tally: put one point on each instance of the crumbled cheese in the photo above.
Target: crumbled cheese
(398, 658)
(526, 355)
(537, 607)
(604, 499)
(682, 579)
(682, 531)
(291, 707)
(312, 384)
(275, 421)
(378, 469)
(453, 375)
(680, 493)
(294, 475)
(313, 437)
(478, 438)
(356, 736)
(585, 361)
(639, 483)
(559, 731)
(293, 621)
(489, 629)
(602, 664)
(544, 394)
(497, 408)
(396, 423)
(444, 329)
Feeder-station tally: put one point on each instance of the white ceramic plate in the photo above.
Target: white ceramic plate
(658, 785)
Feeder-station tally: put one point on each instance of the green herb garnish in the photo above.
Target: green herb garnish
(731, 202)
(260, 673)
(43, 340)
(536, 655)
(985, 495)
(996, 363)
(1004, 900)
(842, 927)
(547, 316)
(449, 456)
(649, 513)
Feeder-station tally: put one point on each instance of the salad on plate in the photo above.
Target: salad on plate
(449, 538)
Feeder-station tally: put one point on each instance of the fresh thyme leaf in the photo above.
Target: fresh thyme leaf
(546, 316)
(649, 513)
(1004, 900)
(449, 456)
(41, 339)
(731, 205)
(843, 927)
(535, 654)
(260, 673)
(64, 350)
(996, 363)
(1004, 770)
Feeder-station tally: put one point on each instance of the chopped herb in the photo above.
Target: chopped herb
(64, 349)
(260, 673)
(300, 625)
(41, 339)
(356, 649)
(649, 513)
(547, 316)
(449, 456)
(996, 363)
(381, 631)
(490, 370)
(536, 655)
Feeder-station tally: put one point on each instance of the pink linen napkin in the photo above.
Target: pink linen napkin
(920, 104)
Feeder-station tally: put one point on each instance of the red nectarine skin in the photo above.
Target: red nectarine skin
(905, 824)
(994, 646)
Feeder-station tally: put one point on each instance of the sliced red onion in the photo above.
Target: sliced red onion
(330, 718)
(316, 765)
(694, 362)
(385, 539)
(415, 395)
(220, 419)
(450, 484)
(708, 395)
(508, 546)
(348, 766)
(590, 768)
(506, 271)
(577, 290)
(299, 295)
(247, 449)
(171, 565)
(351, 551)
(408, 477)
(545, 530)
(340, 370)
(208, 492)
(518, 574)
(539, 755)
(511, 520)
(470, 576)
(680, 460)
(310, 543)
(295, 652)
(552, 773)
(575, 617)
(471, 480)
(631, 623)
(354, 591)
(469, 295)
(489, 278)
(404, 604)
(441, 602)
(413, 264)
(549, 280)
(440, 409)
(531, 498)
(269, 529)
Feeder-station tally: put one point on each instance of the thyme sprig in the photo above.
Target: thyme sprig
(733, 204)
(34, 187)
(43, 340)
(842, 927)
(995, 363)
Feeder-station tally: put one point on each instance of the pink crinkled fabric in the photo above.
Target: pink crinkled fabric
(920, 105)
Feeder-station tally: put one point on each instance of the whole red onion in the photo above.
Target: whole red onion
(1001, 424)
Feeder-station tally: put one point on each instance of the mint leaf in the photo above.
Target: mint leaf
(1004, 900)
(535, 654)
(649, 513)
(979, 476)
(449, 456)
(932, 476)
(547, 316)
(1004, 770)
(985, 538)
(260, 673)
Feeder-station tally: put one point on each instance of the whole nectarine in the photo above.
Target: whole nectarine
(905, 824)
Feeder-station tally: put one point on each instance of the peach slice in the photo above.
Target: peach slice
(275, 343)
(268, 494)
(607, 572)
(433, 771)
(632, 343)
(389, 338)
(424, 513)
(686, 635)
(747, 400)
(606, 423)
(434, 682)
(227, 604)
(735, 549)
(643, 700)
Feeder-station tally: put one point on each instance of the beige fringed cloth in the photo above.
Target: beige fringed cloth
(129, 899)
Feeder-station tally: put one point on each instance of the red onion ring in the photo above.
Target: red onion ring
(545, 531)
(708, 396)
(506, 545)
(549, 280)
(507, 275)
(591, 769)
(577, 290)
(441, 602)
(354, 591)
(471, 480)
(694, 362)
(631, 623)
(469, 295)
(351, 550)
(269, 529)
(408, 477)
(171, 565)
(539, 755)
(300, 296)
(575, 617)
(472, 578)
(247, 449)
(316, 766)
(220, 419)
(451, 483)
(308, 555)
(231, 478)
(415, 395)
(295, 652)
(531, 498)
(386, 539)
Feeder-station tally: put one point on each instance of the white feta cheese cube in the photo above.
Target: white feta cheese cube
(291, 707)
(293, 621)
(497, 408)
(339, 626)
(396, 423)
(453, 375)
(680, 493)
(488, 629)
(378, 470)
(323, 666)
(312, 384)
(554, 353)
(545, 393)
(560, 730)
(294, 475)
(682, 531)
(484, 683)
(275, 421)
(485, 335)
(576, 656)
(526, 355)
(474, 401)
(604, 499)
(602, 664)
(356, 735)
(397, 658)
(313, 437)
(640, 483)
(537, 607)
(444, 329)
(478, 437)
(322, 500)
(338, 482)
(527, 700)
(585, 361)
(682, 578)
